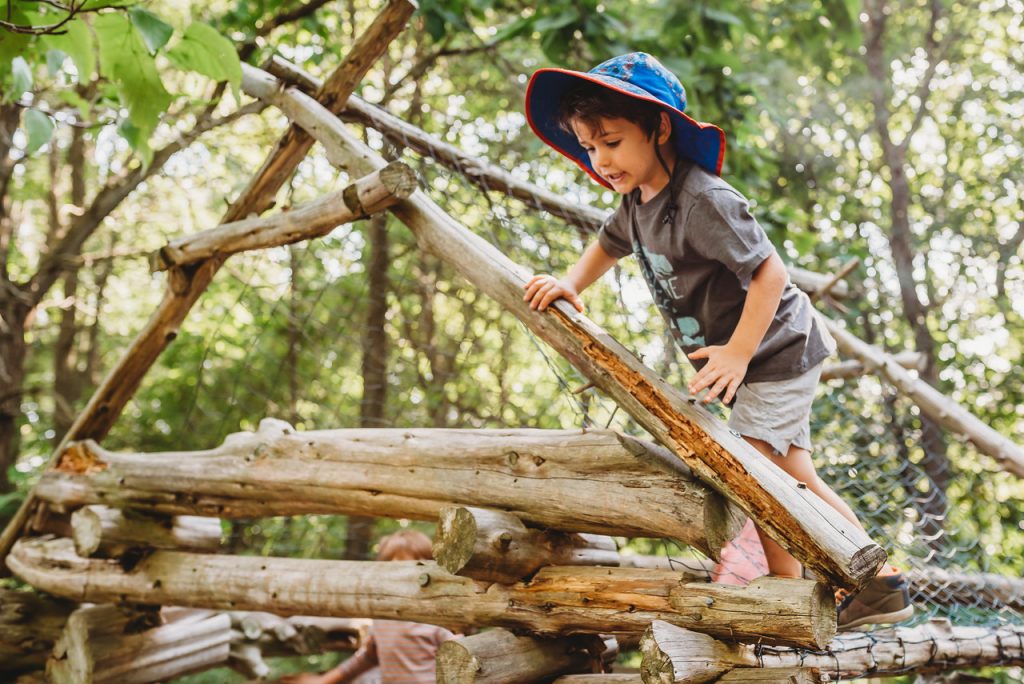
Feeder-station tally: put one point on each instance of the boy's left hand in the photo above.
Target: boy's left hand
(725, 370)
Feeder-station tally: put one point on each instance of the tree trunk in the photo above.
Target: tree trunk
(549, 478)
(498, 656)
(98, 529)
(555, 602)
(13, 315)
(790, 513)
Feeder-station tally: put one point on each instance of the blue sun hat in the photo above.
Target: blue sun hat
(638, 75)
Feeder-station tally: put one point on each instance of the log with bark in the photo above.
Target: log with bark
(106, 643)
(495, 546)
(594, 481)
(930, 647)
(110, 532)
(557, 601)
(368, 195)
(30, 624)
(498, 656)
(786, 510)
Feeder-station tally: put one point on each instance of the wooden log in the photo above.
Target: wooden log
(680, 656)
(941, 587)
(495, 546)
(691, 568)
(498, 656)
(184, 285)
(549, 478)
(853, 368)
(30, 624)
(782, 675)
(107, 644)
(485, 174)
(790, 513)
(557, 601)
(940, 408)
(100, 529)
(368, 195)
(613, 678)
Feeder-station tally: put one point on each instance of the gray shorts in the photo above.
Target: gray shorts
(778, 411)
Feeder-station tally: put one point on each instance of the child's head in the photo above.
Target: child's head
(405, 545)
(634, 87)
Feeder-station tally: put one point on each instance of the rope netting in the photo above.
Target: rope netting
(284, 333)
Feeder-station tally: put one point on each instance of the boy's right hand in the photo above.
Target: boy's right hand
(543, 289)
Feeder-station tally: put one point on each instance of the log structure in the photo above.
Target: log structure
(409, 474)
(498, 656)
(30, 624)
(495, 546)
(102, 644)
(258, 635)
(557, 601)
(792, 515)
(110, 531)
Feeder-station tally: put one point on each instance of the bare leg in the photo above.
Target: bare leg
(798, 464)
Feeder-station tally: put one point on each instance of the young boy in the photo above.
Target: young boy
(404, 651)
(716, 278)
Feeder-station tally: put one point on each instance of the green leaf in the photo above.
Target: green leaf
(22, 77)
(39, 127)
(564, 18)
(721, 16)
(138, 139)
(75, 100)
(513, 29)
(76, 42)
(125, 61)
(154, 31)
(204, 50)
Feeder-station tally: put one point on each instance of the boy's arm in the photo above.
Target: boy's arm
(541, 290)
(727, 364)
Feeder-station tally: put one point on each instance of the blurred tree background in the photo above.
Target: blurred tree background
(886, 131)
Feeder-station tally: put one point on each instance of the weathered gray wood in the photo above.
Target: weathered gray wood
(495, 546)
(30, 624)
(100, 529)
(498, 656)
(853, 368)
(549, 478)
(487, 175)
(107, 644)
(937, 406)
(368, 195)
(557, 601)
(792, 515)
(691, 568)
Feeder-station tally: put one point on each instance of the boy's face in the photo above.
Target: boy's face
(623, 155)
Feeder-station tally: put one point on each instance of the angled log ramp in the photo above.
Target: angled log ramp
(30, 625)
(555, 602)
(495, 546)
(368, 195)
(486, 175)
(186, 284)
(110, 532)
(854, 368)
(108, 645)
(937, 406)
(795, 517)
(673, 654)
(498, 656)
(549, 478)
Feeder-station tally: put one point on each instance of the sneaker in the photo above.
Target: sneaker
(884, 600)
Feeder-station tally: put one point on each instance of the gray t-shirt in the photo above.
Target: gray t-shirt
(699, 266)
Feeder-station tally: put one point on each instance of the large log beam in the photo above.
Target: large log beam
(937, 406)
(105, 644)
(786, 510)
(100, 529)
(555, 602)
(487, 175)
(186, 284)
(930, 647)
(495, 546)
(368, 195)
(549, 478)
(498, 656)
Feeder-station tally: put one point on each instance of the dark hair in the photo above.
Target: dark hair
(589, 103)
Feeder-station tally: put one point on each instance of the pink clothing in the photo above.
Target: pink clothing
(404, 651)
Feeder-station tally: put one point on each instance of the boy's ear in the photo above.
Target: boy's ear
(664, 129)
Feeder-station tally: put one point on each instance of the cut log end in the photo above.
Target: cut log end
(455, 540)
(456, 664)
